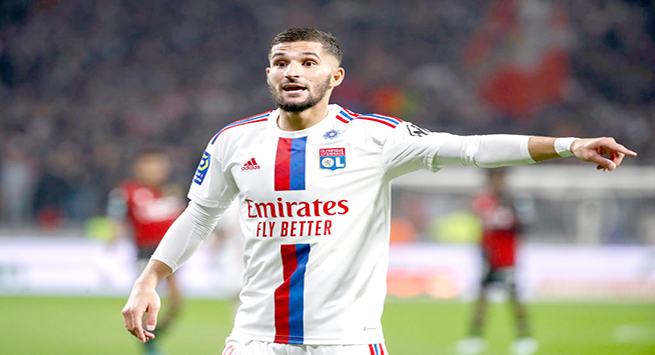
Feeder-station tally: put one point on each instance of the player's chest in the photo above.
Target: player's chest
(308, 164)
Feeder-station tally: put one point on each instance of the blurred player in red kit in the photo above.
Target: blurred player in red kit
(500, 239)
(145, 206)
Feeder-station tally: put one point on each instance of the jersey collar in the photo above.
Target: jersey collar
(333, 110)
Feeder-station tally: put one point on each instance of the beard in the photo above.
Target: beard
(311, 101)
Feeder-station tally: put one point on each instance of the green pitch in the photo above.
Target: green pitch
(84, 326)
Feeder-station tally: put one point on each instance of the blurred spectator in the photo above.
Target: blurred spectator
(53, 189)
(519, 56)
(16, 182)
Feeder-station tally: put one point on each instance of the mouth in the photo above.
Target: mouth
(294, 88)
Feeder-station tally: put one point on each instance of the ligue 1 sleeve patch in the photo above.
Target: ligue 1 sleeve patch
(332, 158)
(203, 167)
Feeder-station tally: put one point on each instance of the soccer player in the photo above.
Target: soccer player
(144, 207)
(313, 183)
(500, 237)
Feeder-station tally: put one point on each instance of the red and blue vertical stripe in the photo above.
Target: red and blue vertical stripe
(289, 296)
(376, 349)
(290, 164)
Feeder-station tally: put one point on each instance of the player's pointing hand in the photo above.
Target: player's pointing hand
(595, 150)
(142, 301)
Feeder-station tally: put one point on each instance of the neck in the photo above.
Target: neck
(296, 121)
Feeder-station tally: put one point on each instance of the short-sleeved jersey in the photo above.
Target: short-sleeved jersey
(146, 209)
(314, 210)
(500, 229)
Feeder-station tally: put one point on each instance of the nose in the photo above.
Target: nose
(292, 70)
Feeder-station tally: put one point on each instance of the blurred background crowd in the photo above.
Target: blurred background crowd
(86, 84)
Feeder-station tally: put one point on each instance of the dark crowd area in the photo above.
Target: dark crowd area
(86, 84)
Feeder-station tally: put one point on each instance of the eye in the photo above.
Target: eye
(280, 64)
(309, 63)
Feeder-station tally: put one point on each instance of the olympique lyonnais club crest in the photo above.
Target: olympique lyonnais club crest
(203, 167)
(332, 158)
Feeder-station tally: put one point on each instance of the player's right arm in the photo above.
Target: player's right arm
(211, 194)
(144, 299)
(181, 241)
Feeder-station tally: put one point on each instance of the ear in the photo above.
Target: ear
(337, 77)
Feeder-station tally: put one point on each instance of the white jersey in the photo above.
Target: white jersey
(315, 213)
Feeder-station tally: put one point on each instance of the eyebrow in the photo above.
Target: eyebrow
(282, 54)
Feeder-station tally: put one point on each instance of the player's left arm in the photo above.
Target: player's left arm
(604, 151)
(408, 148)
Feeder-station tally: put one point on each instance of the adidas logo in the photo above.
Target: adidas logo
(250, 165)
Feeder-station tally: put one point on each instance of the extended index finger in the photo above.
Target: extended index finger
(620, 148)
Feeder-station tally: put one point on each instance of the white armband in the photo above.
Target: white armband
(563, 146)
